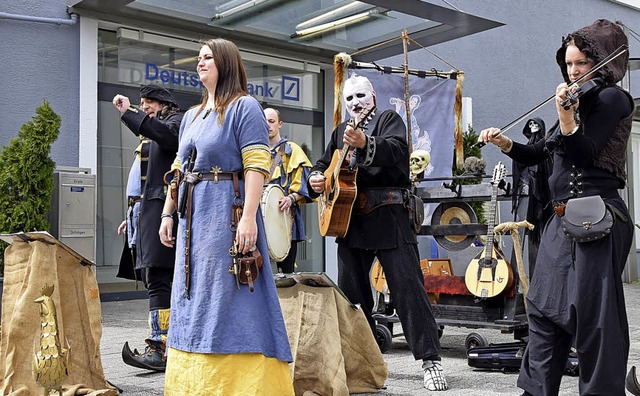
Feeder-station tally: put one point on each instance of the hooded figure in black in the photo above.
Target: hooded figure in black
(531, 198)
(577, 288)
(157, 123)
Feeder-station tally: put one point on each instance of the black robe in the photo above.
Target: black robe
(389, 168)
(576, 293)
(156, 158)
(385, 233)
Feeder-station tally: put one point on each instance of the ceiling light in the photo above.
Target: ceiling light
(329, 14)
(180, 62)
(237, 9)
(334, 24)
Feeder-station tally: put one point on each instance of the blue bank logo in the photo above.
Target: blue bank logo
(290, 88)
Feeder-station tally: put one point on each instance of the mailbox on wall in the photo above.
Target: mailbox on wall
(73, 210)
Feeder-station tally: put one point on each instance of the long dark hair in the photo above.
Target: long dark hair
(232, 77)
(167, 110)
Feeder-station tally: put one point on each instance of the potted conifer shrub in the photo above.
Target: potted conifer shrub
(26, 176)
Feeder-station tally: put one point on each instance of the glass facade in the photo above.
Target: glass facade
(126, 63)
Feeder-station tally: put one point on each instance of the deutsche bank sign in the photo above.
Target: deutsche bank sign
(173, 76)
(288, 88)
(277, 88)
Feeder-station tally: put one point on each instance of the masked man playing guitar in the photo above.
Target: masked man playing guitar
(378, 225)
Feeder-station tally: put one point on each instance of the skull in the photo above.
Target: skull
(418, 161)
(534, 127)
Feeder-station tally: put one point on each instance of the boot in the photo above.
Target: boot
(632, 382)
(151, 359)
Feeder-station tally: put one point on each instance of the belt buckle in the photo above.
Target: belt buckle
(215, 170)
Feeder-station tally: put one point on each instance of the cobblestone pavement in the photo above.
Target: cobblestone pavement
(126, 321)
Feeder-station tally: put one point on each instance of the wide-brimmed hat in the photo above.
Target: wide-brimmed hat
(158, 93)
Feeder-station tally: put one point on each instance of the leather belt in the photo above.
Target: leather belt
(193, 178)
(214, 176)
(133, 200)
(371, 199)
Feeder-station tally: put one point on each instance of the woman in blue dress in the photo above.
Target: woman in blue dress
(224, 340)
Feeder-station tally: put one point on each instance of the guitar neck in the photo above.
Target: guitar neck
(343, 153)
(345, 148)
(492, 222)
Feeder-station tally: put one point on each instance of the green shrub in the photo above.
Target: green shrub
(469, 138)
(26, 175)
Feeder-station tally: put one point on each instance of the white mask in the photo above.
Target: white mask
(359, 96)
(534, 127)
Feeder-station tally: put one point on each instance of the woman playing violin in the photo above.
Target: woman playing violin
(576, 295)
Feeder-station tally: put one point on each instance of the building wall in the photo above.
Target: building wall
(511, 69)
(40, 61)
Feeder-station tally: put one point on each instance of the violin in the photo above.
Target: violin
(587, 88)
(572, 97)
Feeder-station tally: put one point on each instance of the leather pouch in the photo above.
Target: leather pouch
(587, 219)
(415, 207)
(249, 267)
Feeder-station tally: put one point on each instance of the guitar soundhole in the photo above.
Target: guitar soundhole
(332, 189)
(487, 262)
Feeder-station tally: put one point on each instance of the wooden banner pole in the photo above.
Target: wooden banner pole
(405, 44)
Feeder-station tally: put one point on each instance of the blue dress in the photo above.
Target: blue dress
(218, 318)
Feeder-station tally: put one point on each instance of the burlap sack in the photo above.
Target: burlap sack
(333, 348)
(28, 267)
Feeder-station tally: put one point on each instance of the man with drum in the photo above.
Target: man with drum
(290, 170)
(379, 225)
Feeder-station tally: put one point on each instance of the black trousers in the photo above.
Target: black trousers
(287, 265)
(158, 282)
(404, 277)
(581, 299)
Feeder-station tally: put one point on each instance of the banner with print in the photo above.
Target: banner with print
(431, 101)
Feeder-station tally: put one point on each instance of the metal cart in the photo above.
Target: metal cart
(505, 312)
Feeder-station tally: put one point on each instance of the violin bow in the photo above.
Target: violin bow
(619, 51)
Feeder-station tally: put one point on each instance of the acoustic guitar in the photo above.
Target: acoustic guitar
(340, 190)
(489, 274)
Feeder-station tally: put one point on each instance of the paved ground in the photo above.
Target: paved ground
(126, 321)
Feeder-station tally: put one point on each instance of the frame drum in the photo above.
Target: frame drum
(277, 224)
